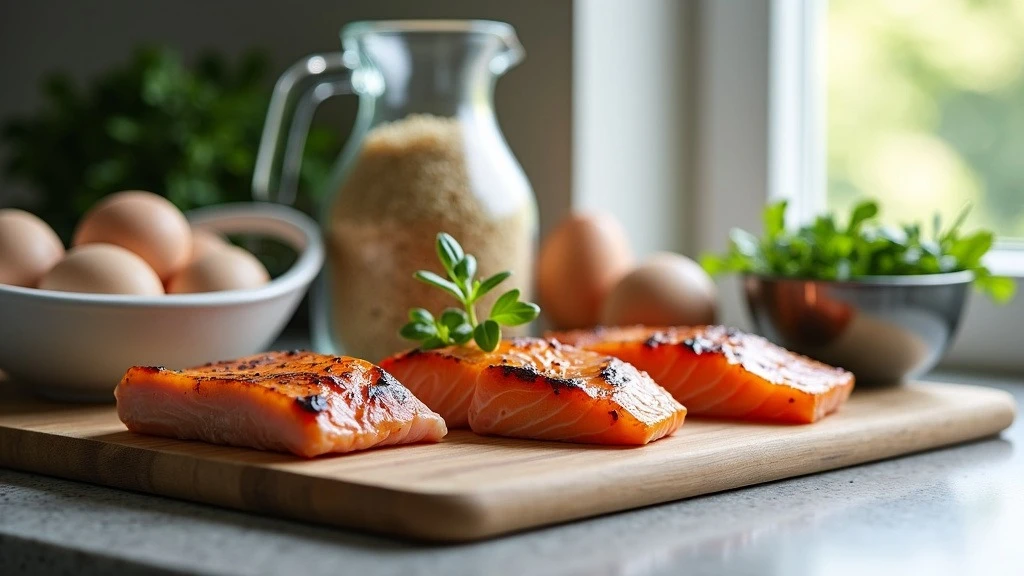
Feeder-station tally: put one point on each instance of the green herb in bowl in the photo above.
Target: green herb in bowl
(458, 326)
(825, 249)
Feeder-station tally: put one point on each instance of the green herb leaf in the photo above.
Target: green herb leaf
(840, 246)
(893, 235)
(433, 343)
(775, 219)
(418, 331)
(462, 334)
(487, 335)
(714, 264)
(999, 288)
(745, 242)
(449, 252)
(443, 334)
(505, 302)
(453, 317)
(861, 213)
(969, 250)
(517, 314)
(420, 315)
(466, 268)
(509, 311)
(435, 280)
(957, 223)
(464, 272)
(490, 283)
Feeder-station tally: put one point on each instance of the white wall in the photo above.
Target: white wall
(731, 144)
(631, 118)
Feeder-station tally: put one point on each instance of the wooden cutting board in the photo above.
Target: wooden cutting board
(470, 487)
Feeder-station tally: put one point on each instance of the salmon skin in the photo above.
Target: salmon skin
(723, 372)
(542, 390)
(299, 402)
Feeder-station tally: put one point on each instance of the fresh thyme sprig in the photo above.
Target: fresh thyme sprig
(457, 326)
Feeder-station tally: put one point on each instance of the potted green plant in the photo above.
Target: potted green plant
(881, 301)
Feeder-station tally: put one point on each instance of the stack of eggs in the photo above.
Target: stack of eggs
(586, 277)
(129, 243)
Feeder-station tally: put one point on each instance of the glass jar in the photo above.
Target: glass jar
(426, 155)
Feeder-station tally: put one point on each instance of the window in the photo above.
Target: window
(925, 108)
(925, 112)
(917, 103)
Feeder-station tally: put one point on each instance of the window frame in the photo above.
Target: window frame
(760, 116)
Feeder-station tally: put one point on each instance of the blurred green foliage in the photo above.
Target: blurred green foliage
(926, 108)
(188, 133)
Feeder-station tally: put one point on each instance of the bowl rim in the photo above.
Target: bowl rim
(292, 226)
(909, 280)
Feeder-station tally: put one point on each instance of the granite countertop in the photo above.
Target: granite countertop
(957, 510)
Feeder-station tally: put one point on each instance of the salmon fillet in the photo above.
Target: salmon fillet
(299, 402)
(540, 389)
(723, 372)
(444, 379)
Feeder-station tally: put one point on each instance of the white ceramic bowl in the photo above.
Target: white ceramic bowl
(77, 346)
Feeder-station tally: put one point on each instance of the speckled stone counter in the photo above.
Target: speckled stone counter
(954, 511)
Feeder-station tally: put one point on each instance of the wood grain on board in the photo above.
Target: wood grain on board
(470, 487)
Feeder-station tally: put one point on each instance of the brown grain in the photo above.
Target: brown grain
(409, 182)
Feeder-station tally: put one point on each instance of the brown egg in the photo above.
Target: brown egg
(666, 290)
(146, 224)
(103, 269)
(580, 261)
(227, 268)
(205, 241)
(28, 248)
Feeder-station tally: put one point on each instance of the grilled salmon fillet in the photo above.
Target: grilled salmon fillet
(444, 379)
(723, 372)
(299, 402)
(540, 389)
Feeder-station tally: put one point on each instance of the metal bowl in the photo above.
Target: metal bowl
(884, 329)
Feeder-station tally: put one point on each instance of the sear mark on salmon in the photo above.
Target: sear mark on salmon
(314, 403)
(531, 374)
(656, 339)
(699, 346)
(615, 373)
(387, 384)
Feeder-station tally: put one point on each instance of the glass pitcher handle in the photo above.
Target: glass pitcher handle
(296, 95)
